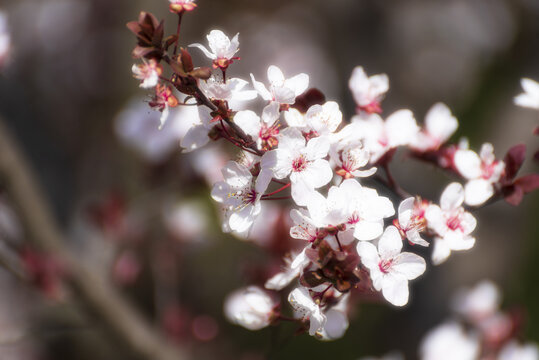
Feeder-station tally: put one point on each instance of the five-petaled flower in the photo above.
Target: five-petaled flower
(302, 302)
(222, 49)
(352, 205)
(303, 162)
(390, 268)
(148, 73)
(281, 90)
(451, 223)
(368, 91)
(482, 171)
(411, 220)
(440, 124)
(263, 130)
(240, 194)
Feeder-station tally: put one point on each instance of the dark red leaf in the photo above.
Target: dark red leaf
(170, 40)
(134, 27)
(513, 160)
(157, 38)
(309, 98)
(528, 183)
(514, 196)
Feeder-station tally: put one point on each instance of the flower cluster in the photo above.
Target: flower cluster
(479, 330)
(346, 233)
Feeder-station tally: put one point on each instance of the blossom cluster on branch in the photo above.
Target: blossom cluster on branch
(353, 240)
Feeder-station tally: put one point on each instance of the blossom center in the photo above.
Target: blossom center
(249, 197)
(454, 222)
(299, 163)
(353, 219)
(385, 265)
(487, 170)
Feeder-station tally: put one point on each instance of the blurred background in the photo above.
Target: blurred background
(140, 212)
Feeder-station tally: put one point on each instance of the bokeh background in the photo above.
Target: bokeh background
(67, 89)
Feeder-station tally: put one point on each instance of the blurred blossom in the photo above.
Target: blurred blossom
(138, 126)
(478, 302)
(515, 351)
(5, 39)
(208, 163)
(186, 221)
(205, 328)
(265, 225)
(250, 307)
(126, 268)
(449, 341)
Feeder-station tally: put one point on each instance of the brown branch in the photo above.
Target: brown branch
(93, 290)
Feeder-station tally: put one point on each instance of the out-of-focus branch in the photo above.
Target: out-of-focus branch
(92, 289)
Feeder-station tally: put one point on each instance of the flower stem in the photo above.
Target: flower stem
(277, 191)
(178, 32)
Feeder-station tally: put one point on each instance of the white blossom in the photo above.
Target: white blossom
(303, 162)
(231, 91)
(305, 307)
(451, 223)
(380, 136)
(390, 270)
(440, 124)
(240, 194)
(293, 269)
(186, 220)
(336, 319)
(263, 130)
(482, 172)
(368, 92)
(250, 307)
(281, 90)
(515, 351)
(304, 227)
(197, 135)
(530, 97)
(348, 155)
(139, 128)
(324, 119)
(411, 221)
(148, 73)
(221, 47)
(449, 341)
(359, 208)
